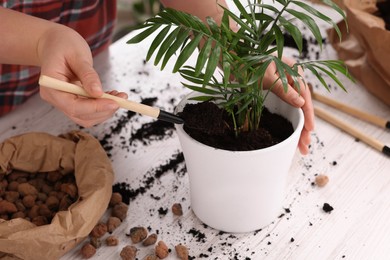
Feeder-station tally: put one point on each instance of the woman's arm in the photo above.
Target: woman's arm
(61, 53)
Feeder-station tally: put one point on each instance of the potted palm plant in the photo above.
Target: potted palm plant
(238, 191)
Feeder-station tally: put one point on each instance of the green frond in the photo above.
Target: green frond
(144, 34)
(157, 41)
(310, 23)
(212, 64)
(279, 38)
(203, 56)
(166, 44)
(294, 32)
(174, 47)
(282, 73)
(316, 74)
(318, 14)
(337, 9)
(186, 52)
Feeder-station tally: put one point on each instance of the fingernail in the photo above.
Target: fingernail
(96, 89)
(112, 106)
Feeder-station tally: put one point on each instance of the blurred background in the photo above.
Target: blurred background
(133, 12)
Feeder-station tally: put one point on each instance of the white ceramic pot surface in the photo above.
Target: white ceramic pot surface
(240, 191)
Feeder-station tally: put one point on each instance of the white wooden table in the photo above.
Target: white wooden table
(358, 190)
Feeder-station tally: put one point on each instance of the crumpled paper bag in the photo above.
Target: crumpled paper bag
(366, 48)
(75, 152)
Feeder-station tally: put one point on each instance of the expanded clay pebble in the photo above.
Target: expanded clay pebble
(99, 230)
(151, 257)
(88, 250)
(27, 189)
(112, 241)
(116, 198)
(150, 240)
(137, 234)
(182, 252)
(177, 209)
(36, 197)
(96, 242)
(113, 223)
(7, 207)
(161, 250)
(120, 211)
(70, 189)
(128, 253)
(321, 180)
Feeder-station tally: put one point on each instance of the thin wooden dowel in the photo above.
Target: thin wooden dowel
(154, 112)
(378, 121)
(351, 130)
(49, 82)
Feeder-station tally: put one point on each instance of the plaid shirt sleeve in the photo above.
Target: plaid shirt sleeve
(93, 19)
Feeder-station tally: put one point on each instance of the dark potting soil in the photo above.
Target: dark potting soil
(384, 12)
(211, 125)
(327, 208)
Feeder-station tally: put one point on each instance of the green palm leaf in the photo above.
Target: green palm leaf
(203, 56)
(174, 47)
(310, 23)
(320, 15)
(157, 41)
(294, 32)
(166, 44)
(187, 52)
(212, 64)
(144, 34)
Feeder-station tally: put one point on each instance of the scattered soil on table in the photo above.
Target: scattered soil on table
(327, 208)
(128, 193)
(211, 125)
(156, 130)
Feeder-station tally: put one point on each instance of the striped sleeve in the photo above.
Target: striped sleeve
(93, 19)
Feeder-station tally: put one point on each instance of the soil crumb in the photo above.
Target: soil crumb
(327, 208)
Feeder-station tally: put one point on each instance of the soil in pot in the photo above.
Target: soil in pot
(211, 125)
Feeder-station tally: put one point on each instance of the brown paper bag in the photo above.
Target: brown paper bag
(75, 152)
(366, 48)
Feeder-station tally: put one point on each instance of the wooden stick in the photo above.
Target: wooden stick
(352, 131)
(381, 122)
(154, 112)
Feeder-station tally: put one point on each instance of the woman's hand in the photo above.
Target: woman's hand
(65, 55)
(301, 99)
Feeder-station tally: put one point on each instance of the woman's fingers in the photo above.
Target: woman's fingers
(297, 96)
(290, 96)
(89, 78)
(304, 141)
(86, 112)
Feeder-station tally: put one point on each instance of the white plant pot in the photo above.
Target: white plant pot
(240, 191)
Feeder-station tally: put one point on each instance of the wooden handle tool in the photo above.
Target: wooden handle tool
(154, 112)
(352, 131)
(381, 122)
